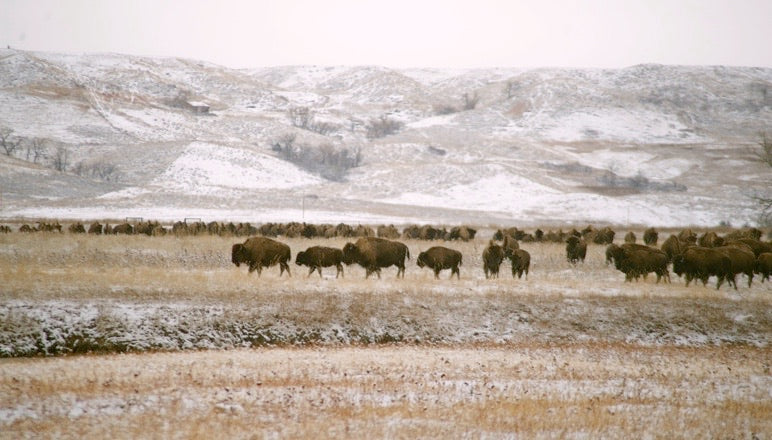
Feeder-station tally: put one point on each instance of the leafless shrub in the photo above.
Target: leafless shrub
(60, 159)
(99, 169)
(637, 182)
(36, 149)
(444, 109)
(8, 141)
(382, 126)
(470, 101)
(328, 161)
(300, 117)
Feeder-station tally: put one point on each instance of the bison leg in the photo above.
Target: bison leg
(436, 273)
(282, 267)
(455, 271)
(750, 278)
(340, 270)
(310, 271)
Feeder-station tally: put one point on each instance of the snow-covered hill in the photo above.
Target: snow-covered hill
(648, 144)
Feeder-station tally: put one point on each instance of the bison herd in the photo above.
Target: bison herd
(692, 256)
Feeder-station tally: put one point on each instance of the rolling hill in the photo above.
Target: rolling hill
(648, 144)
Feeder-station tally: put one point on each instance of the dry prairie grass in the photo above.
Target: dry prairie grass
(572, 351)
(528, 390)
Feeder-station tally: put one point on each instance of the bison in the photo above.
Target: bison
(758, 247)
(463, 233)
(673, 247)
(317, 257)
(650, 236)
(520, 260)
(95, 228)
(375, 253)
(576, 249)
(701, 263)
(764, 265)
(630, 237)
(604, 236)
(710, 239)
(492, 257)
(688, 236)
(743, 261)
(438, 258)
(635, 260)
(260, 252)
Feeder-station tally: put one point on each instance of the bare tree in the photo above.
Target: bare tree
(764, 155)
(36, 149)
(8, 141)
(60, 159)
(300, 117)
(383, 126)
(470, 101)
(510, 88)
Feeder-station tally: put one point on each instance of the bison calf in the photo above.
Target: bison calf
(438, 258)
(317, 257)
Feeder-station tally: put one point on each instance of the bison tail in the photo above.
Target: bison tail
(407, 252)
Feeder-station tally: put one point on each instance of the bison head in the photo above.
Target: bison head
(421, 260)
(350, 253)
(301, 259)
(678, 264)
(238, 254)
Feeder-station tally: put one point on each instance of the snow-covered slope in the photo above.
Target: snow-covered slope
(663, 145)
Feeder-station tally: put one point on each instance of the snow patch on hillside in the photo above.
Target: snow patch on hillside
(609, 124)
(205, 168)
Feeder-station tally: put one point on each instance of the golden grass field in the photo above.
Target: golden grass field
(573, 351)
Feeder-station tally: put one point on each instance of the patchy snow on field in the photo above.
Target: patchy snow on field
(206, 168)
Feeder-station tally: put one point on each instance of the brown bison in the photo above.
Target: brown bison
(743, 261)
(95, 228)
(710, 239)
(492, 257)
(77, 228)
(388, 232)
(650, 237)
(701, 263)
(463, 233)
(688, 236)
(630, 237)
(604, 236)
(764, 265)
(317, 257)
(576, 249)
(673, 246)
(635, 260)
(520, 260)
(260, 252)
(375, 253)
(758, 247)
(123, 228)
(438, 258)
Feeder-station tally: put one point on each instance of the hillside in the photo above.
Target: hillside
(648, 144)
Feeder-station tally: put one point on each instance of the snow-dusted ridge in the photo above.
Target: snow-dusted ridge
(680, 127)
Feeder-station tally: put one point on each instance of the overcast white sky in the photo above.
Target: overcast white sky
(402, 33)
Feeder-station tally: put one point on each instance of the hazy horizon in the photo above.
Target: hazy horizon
(457, 34)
